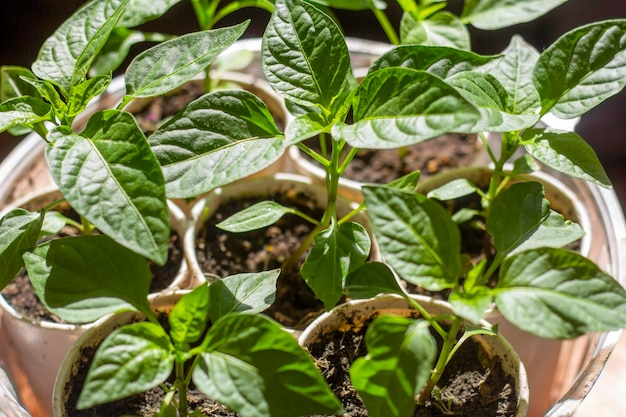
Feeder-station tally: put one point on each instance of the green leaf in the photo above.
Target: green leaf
(23, 111)
(84, 92)
(257, 216)
(397, 107)
(116, 50)
(143, 11)
(304, 127)
(515, 213)
(559, 294)
(440, 29)
(336, 252)
(553, 232)
(416, 237)
(12, 85)
(249, 292)
(190, 316)
(257, 369)
(131, 360)
(566, 152)
(19, 230)
(401, 355)
(352, 4)
(582, 69)
(110, 176)
(452, 190)
(170, 64)
(498, 14)
(372, 279)
(84, 278)
(515, 74)
(305, 57)
(407, 182)
(48, 91)
(217, 139)
(441, 61)
(66, 56)
(472, 306)
(53, 222)
(486, 93)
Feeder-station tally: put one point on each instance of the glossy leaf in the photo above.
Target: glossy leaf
(190, 317)
(440, 29)
(582, 68)
(131, 360)
(416, 237)
(83, 278)
(514, 72)
(553, 232)
(305, 58)
(257, 216)
(249, 292)
(86, 91)
(471, 305)
(407, 182)
(441, 61)
(498, 14)
(66, 56)
(143, 11)
(336, 252)
(566, 152)
(172, 63)
(19, 230)
(556, 293)
(372, 279)
(397, 107)
(23, 111)
(217, 139)
(109, 175)
(304, 127)
(53, 222)
(401, 355)
(452, 190)
(256, 369)
(516, 213)
(486, 93)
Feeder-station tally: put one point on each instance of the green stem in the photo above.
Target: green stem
(183, 408)
(238, 5)
(386, 25)
(449, 343)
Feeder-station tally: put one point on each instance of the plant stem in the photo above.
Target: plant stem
(449, 343)
(386, 25)
(183, 408)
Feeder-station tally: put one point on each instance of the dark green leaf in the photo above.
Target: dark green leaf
(556, 293)
(372, 279)
(305, 58)
(515, 214)
(249, 292)
(66, 56)
(131, 360)
(582, 69)
(441, 61)
(84, 92)
(19, 230)
(190, 316)
(397, 107)
(553, 232)
(110, 176)
(401, 355)
(257, 369)
(416, 236)
(257, 216)
(83, 278)
(566, 152)
(12, 85)
(170, 64)
(406, 183)
(337, 252)
(217, 139)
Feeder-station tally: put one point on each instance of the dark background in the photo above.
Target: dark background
(25, 24)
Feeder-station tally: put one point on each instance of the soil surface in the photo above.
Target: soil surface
(474, 384)
(223, 253)
(381, 166)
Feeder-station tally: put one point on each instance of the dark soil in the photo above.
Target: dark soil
(476, 385)
(223, 253)
(381, 166)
